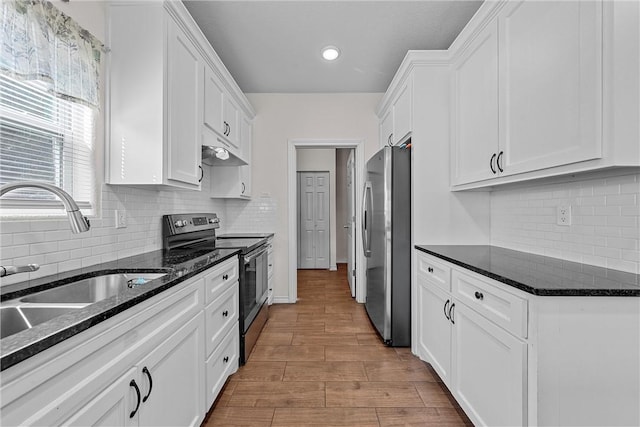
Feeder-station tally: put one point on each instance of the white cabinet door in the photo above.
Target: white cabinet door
(172, 379)
(489, 370)
(434, 328)
(213, 101)
(402, 114)
(475, 109)
(386, 128)
(184, 104)
(113, 407)
(550, 83)
(231, 120)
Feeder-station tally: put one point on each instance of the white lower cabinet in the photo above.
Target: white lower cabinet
(222, 363)
(511, 358)
(112, 407)
(489, 366)
(147, 366)
(434, 338)
(482, 364)
(172, 376)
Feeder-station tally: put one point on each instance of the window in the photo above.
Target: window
(44, 138)
(49, 99)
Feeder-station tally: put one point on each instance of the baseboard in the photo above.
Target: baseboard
(333, 268)
(281, 300)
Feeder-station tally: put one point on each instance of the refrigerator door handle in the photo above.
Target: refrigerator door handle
(366, 229)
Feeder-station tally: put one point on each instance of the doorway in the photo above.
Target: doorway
(355, 235)
(313, 220)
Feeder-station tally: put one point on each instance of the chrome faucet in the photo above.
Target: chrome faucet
(77, 221)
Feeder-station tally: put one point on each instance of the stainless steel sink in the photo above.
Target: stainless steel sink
(92, 289)
(16, 319)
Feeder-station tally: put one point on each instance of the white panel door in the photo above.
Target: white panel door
(489, 370)
(475, 109)
(321, 214)
(550, 83)
(313, 217)
(306, 221)
(184, 87)
(172, 378)
(351, 222)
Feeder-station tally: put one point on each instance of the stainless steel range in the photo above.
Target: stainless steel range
(186, 233)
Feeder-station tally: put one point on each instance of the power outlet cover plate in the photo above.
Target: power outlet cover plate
(564, 215)
(121, 219)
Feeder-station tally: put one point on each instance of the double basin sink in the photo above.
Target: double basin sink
(31, 310)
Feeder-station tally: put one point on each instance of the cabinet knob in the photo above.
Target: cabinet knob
(225, 277)
(225, 359)
(479, 295)
(225, 313)
(430, 269)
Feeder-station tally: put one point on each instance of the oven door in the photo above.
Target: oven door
(256, 270)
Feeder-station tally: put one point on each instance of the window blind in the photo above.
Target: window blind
(44, 138)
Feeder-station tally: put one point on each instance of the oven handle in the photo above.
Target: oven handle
(253, 255)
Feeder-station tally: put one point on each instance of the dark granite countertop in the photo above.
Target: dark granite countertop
(536, 274)
(22, 345)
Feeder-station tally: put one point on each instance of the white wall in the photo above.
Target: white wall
(323, 160)
(281, 117)
(605, 223)
(50, 243)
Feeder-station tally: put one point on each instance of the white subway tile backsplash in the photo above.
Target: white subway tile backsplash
(605, 223)
(50, 243)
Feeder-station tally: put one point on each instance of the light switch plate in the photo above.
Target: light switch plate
(564, 215)
(121, 219)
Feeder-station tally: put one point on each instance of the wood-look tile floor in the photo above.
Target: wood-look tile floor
(320, 363)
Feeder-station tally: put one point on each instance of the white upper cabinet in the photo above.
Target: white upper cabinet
(231, 121)
(213, 101)
(386, 128)
(538, 90)
(396, 121)
(475, 109)
(222, 115)
(184, 102)
(234, 182)
(154, 99)
(550, 83)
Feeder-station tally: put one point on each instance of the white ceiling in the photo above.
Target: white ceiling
(274, 46)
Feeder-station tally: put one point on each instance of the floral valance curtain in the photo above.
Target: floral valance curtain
(38, 42)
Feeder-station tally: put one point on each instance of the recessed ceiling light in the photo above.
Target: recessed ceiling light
(330, 53)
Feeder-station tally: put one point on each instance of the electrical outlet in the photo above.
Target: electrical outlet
(564, 215)
(121, 219)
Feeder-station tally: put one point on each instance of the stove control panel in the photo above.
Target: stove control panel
(187, 223)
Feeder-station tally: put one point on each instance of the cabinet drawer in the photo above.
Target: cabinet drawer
(219, 315)
(220, 278)
(222, 363)
(435, 272)
(502, 308)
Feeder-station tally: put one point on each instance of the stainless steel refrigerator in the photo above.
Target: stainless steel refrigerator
(386, 237)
